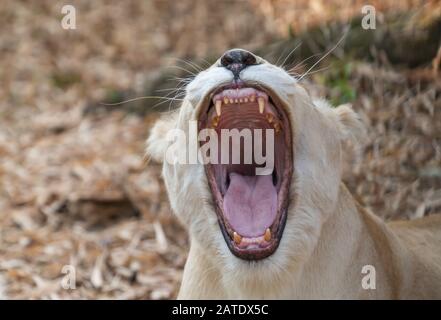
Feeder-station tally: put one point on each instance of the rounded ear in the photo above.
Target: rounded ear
(350, 125)
(157, 141)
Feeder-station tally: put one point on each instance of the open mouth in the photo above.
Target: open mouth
(251, 205)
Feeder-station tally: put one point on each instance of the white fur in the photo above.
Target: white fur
(298, 267)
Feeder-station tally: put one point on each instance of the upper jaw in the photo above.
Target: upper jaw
(207, 99)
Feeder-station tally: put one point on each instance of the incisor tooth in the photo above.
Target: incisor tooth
(225, 100)
(237, 238)
(277, 127)
(261, 102)
(236, 100)
(267, 235)
(252, 98)
(218, 107)
(241, 100)
(231, 101)
(245, 100)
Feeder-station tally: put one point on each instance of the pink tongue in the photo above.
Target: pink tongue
(250, 204)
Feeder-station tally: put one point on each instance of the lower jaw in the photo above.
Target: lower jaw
(257, 253)
(262, 248)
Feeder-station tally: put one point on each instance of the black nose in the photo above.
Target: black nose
(236, 60)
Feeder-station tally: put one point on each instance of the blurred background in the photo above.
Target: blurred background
(75, 188)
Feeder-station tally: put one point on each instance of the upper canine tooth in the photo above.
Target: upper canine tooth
(218, 107)
(225, 100)
(237, 238)
(267, 235)
(261, 102)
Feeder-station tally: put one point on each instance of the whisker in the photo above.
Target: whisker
(188, 63)
(289, 55)
(301, 63)
(169, 89)
(326, 54)
(168, 100)
(313, 72)
(137, 99)
(181, 78)
(280, 56)
(183, 69)
(208, 63)
(191, 64)
(179, 89)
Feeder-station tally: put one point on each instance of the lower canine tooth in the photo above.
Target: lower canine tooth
(218, 107)
(237, 238)
(261, 102)
(267, 235)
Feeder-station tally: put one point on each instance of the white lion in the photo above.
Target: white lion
(297, 232)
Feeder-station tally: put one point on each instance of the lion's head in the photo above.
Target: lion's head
(252, 224)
